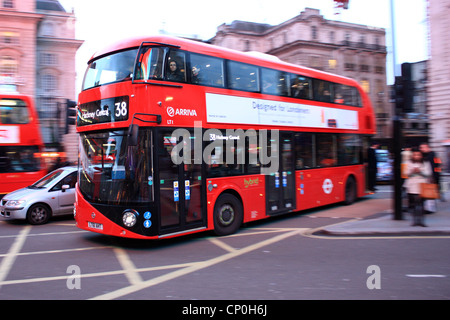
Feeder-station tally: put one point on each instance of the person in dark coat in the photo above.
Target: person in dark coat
(372, 166)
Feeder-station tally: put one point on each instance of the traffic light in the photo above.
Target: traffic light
(408, 88)
(404, 90)
(398, 94)
(71, 113)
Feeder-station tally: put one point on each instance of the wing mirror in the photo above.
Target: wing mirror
(133, 131)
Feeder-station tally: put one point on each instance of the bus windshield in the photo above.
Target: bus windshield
(13, 111)
(113, 172)
(112, 68)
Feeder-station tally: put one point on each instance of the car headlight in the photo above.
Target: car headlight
(15, 203)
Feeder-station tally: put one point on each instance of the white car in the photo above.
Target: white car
(50, 196)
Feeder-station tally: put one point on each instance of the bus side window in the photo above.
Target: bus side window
(349, 149)
(243, 76)
(326, 150)
(304, 151)
(176, 66)
(346, 95)
(274, 82)
(322, 90)
(206, 70)
(300, 87)
(339, 93)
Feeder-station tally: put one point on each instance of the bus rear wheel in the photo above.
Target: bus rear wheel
(350, 191)
(228, 215)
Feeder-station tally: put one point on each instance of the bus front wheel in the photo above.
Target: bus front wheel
(228, 215)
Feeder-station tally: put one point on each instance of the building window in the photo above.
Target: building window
(49, 83)
(48, 59)
(364, 68)
(9, 4)
(314, 33)
(362, 39)
(365, 85)
(48, 29)
(247, 45)
(332, 64)
(8, 66)
(9, 37)
(315, 62)
(348, 37)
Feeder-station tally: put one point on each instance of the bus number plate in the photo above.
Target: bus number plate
(94, 225)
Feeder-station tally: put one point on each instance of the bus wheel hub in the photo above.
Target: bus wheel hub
(226, 216)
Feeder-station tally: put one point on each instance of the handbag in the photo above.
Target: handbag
(429, 191)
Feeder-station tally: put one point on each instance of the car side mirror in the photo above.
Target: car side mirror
(65, 187)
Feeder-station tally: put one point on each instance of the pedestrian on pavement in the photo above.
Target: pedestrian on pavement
(418, 171)
(436, 163)
(372, 166)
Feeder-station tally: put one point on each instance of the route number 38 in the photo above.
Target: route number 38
(121, 109)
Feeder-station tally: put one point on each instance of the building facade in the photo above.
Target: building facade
(415, 123)
(347, 49)
(37, 54)
(438, 88)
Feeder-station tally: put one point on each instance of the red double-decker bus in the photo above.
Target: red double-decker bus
(178, 136)
(20, 143)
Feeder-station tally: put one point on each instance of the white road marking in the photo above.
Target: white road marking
(128, 266)
(11, 256)
(426, 275)
(195, 267)
(222, 244)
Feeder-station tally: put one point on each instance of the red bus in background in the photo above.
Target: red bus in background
(178, 136)
(20, 143)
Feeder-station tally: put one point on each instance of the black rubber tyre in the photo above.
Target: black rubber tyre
(228, 215)
(38, 213)
(350, 191)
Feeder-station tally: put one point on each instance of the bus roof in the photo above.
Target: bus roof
(264, 60)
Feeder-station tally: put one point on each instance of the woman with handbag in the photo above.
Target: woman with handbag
(418, 172)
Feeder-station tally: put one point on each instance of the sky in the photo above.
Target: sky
(101, 22)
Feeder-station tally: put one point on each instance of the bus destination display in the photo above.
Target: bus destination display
(103, 111)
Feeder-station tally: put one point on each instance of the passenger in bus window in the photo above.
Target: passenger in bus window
(297, 88)
(174, 73)
(195, 74)
(338, 98)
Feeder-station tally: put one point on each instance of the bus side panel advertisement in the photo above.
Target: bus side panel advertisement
(240, 110)
(9, 134)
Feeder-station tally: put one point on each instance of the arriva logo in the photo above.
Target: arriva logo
(181, 112)
(251, 182)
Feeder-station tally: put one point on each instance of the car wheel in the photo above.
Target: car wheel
(38, 214)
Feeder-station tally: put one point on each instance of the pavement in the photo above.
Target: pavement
(383, 223)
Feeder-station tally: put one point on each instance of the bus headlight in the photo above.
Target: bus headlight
(129, 218)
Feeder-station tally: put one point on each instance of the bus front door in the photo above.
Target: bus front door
(180, 186)
(280, 185)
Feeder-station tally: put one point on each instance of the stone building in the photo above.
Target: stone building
(37, 54)
(438, 87)
(352, 50)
